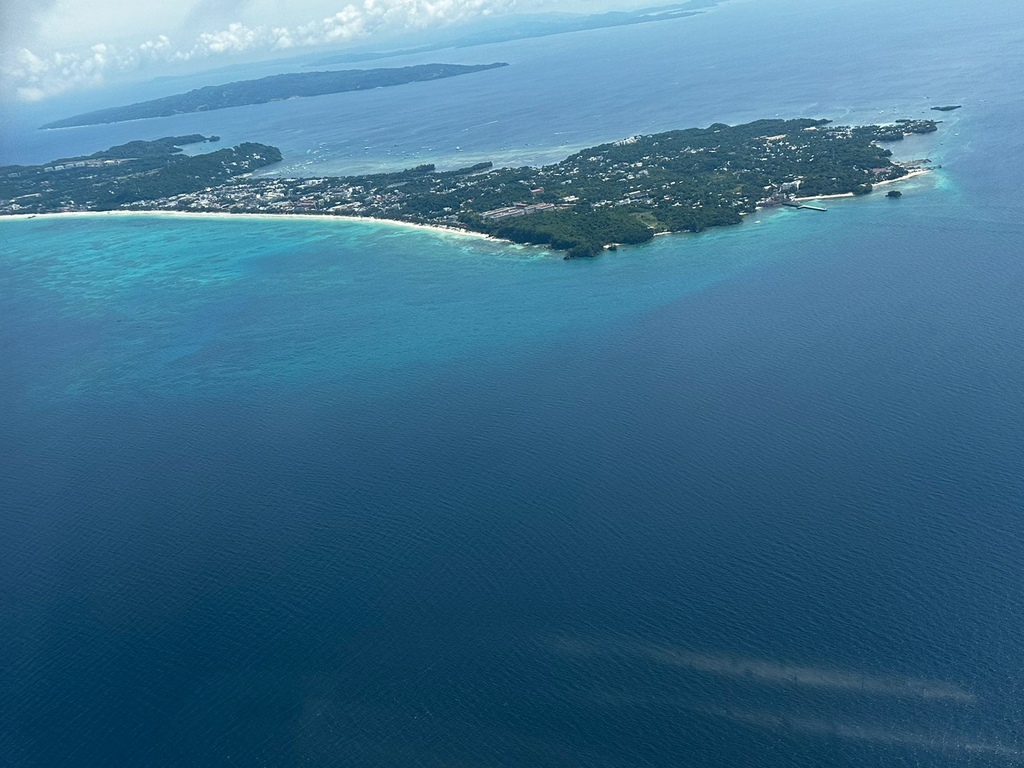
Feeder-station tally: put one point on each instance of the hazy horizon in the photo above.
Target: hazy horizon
(56, 48)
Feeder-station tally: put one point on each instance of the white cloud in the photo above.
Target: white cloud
(237, 37)
(37, 77)
(33, 75)
(282, 38)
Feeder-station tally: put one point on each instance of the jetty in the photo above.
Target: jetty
(804, 206)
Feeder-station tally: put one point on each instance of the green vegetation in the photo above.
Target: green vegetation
(139, 170)
(273, 88)
(579, 231)
(618, 193)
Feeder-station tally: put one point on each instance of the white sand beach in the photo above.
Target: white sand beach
(263, 216)
(910, 175)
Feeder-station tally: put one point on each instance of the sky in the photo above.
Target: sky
(50, 47)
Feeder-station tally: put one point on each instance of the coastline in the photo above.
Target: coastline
(584, 230)
(435, 228)
(910, 175)
(262, 216)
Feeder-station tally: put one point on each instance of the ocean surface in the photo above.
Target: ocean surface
(299, 492)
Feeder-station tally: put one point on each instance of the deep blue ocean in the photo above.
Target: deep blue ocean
(333, 493)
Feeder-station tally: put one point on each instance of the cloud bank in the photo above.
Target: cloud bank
(33, 75)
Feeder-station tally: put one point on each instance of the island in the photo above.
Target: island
(273, 88)
(501, 29)
(623, 192)
(138, 170)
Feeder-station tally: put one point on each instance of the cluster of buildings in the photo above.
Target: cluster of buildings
(267, 196)
(691, 170)
(518, 209)
(70, 165)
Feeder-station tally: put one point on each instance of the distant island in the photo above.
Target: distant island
(500, 29)
(273, 88)
(948, 108)
(618, 193)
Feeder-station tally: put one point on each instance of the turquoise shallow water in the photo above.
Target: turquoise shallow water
(196, 305)
(318, 492)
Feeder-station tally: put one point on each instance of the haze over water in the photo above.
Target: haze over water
(329, 493)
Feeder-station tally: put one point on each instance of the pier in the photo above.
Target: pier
(803, 206)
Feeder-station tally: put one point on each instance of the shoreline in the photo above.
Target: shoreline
(910, 175)
(262, 216)
(435, 228)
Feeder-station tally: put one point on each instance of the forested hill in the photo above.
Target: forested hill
(273, 88)
(138, 170)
